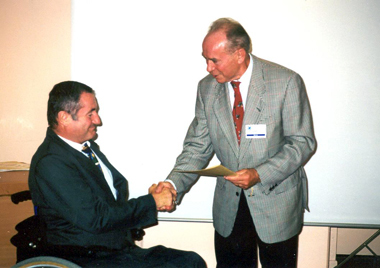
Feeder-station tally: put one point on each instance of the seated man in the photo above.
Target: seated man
(83, 199)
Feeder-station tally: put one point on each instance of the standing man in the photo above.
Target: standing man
(83, 199)
(255, 116)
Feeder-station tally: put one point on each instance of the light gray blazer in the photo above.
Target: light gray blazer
(278, 99)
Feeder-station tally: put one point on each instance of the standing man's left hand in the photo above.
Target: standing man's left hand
(245, 178)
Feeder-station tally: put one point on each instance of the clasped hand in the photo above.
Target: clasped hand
(164, 195)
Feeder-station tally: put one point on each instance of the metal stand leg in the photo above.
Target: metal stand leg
(365, 244)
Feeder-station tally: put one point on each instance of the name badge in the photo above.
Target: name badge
(256, 131)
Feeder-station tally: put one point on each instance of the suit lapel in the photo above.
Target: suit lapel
(80, 157)
(223, 113)
(92, 171)
(255, 104)
(118, 181)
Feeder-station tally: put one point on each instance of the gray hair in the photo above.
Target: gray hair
(236, 35)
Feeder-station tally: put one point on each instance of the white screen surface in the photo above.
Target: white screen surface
(143, 58)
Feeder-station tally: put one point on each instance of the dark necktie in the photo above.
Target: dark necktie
(87, 150)
(238, 110)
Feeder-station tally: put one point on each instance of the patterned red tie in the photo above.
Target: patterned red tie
(238, 110)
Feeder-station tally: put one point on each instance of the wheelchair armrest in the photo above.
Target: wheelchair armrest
(137, 234)
(21, 196)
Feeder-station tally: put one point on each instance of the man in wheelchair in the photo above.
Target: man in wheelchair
(82, 200)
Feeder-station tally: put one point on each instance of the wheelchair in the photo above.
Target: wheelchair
(31, 245)
(30, 241)
(45, 262)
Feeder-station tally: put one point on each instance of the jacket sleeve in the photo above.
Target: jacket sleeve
(197, 150)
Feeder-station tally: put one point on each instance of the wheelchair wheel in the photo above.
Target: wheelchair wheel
(45, 262)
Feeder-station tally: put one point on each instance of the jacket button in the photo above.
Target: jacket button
(237, 193)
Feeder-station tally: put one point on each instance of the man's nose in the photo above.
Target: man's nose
(96, 120)
(210, 66)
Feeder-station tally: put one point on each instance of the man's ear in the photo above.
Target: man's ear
(241, 55)
(64, 118)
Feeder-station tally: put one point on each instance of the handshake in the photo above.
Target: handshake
(164, 195)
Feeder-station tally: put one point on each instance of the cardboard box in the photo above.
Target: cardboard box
(13, 181)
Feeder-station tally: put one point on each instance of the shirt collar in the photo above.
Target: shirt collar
(75, 145)
(246, 77)
(244, 80)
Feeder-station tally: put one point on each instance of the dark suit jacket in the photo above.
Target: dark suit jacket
(74, 199)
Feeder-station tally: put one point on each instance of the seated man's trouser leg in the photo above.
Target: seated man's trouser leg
(135, 257)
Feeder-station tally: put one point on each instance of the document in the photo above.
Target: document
(215, 171)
